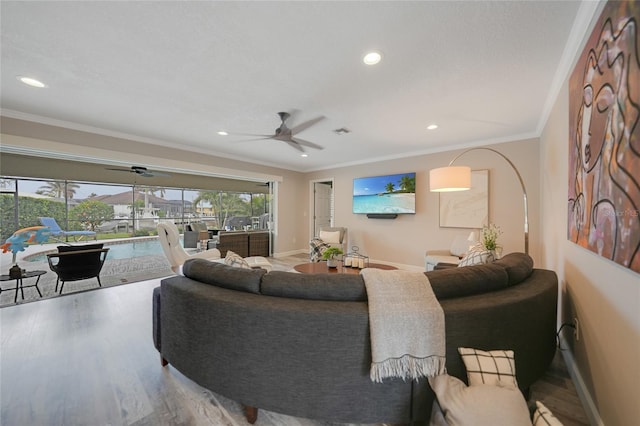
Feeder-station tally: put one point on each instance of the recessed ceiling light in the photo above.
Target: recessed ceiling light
(372, 58)
(222, 133)
(432, 127)
(304, 155)
(31, 82)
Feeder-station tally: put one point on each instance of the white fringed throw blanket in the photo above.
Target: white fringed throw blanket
(406, 323)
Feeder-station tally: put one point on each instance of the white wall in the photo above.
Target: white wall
(404, 240)
(603, 295)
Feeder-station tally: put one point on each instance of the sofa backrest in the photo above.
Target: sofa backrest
(344, 287)
(446, 283)
(222, 275)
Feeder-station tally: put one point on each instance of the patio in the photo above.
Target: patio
(114, 272)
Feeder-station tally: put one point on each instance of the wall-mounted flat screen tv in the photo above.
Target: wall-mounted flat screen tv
(388, 194)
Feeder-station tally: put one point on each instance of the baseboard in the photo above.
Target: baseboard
(290, 253)
(590, 408)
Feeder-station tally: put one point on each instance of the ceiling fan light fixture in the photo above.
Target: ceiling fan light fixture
(372, 58)
(31, 82)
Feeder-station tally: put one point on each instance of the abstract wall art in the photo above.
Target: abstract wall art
(604, 139)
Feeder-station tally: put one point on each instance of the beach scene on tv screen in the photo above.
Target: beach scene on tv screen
(385, 194)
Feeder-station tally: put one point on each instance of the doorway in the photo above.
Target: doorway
(323, 205)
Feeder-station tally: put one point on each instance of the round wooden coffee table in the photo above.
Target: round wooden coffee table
(321, 268)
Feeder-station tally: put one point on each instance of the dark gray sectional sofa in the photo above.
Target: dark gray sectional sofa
(299, 343)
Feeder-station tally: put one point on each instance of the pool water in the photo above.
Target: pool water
(121, 250)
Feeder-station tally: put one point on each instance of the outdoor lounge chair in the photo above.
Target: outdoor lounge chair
(75, 263)
(56, 231)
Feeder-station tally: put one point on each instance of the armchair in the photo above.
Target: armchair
(75, 263)
(328, 236)
(452, 255)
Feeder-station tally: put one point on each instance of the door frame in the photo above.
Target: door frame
(312, 203)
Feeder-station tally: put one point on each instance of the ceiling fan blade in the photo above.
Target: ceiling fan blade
(257, 139)
(307, 143)
(152, 173)
(303, 126)
(250, 134)
(295, 145)
(120, 170)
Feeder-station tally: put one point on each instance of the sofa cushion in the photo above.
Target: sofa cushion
(479, 404)
(519, 266)
(458, 282)
(222, 275)
(338, 287)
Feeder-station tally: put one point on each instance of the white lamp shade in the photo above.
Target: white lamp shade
(451, 178)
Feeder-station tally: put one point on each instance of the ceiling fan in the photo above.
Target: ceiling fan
(287, 135)
(142, 171)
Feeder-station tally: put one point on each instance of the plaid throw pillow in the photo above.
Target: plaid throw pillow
(544, 417)
(235, 260)
(489, 368)
(477, 255)
(317, 247)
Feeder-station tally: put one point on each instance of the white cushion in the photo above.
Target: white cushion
(489, 368)
(480, 405)
(477, 255)
(543, 417)
(330, 237)
(234, 259)
(258, 262)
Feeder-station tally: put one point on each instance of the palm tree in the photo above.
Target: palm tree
(58, 189)
(390, 187)
(408, 184)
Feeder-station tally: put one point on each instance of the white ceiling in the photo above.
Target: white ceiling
(175, 73)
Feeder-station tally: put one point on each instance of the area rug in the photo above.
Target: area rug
(114, 272)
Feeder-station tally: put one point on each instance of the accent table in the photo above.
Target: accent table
(321, 268)
(19, 284)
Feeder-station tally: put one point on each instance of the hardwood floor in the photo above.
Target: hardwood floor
(88, 359)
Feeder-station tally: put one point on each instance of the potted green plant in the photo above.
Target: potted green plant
(490, 236)
(330, 256)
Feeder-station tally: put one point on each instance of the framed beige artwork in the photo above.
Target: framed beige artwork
(467, 209)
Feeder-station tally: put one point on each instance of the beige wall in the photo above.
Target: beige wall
(404, 240)
(603, 295)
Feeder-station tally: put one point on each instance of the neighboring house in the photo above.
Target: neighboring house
(147, 205)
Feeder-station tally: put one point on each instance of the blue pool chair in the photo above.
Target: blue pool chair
(56, 231)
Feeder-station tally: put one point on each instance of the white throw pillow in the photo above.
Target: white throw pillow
(477, 255)
(480, 405)
(332, 237)
(235, 260)
(490, 368)
(544, 417)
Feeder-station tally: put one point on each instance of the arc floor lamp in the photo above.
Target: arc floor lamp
(458, 178)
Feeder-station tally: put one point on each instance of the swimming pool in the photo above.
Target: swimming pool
(125, 249)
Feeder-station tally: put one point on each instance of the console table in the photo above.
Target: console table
(19, 283)
(251, 243)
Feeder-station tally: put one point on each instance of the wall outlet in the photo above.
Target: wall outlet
(576, 331)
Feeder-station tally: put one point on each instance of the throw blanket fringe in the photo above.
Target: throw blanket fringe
(406, 324)
(407, 367)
